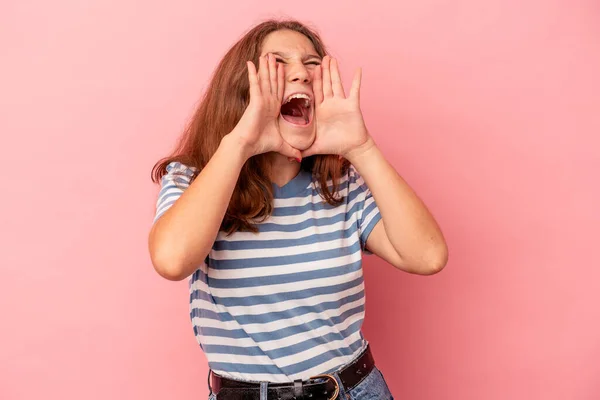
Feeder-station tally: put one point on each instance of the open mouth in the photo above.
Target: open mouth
(297, 109)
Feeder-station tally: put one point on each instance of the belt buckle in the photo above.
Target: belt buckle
(337, 386)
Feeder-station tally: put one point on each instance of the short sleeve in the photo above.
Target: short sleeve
(368, 213)
(172, 185)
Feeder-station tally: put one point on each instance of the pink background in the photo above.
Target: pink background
(490, 109)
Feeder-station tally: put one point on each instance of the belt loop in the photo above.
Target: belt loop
(298, 390)
(264, 390)
(209, 388)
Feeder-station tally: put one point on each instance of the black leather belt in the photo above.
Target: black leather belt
(316, 388)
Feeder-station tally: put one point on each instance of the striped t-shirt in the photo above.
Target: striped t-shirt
(287, 302)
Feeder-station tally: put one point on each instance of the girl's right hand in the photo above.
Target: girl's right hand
(258, 129)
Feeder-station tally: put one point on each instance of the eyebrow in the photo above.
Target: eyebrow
(285, 55)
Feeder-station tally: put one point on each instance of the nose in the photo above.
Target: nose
(297, 73)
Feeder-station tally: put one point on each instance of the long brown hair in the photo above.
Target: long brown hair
(220, 109)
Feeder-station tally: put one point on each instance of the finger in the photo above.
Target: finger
(263, 75)
(290, 152)
(253, 79)
(355, 89)
(327, 92)
(336, 80)
(272, 72)
(280, 82)
(318, 84)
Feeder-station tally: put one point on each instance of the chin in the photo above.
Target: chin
(299, 142)
(300, 137)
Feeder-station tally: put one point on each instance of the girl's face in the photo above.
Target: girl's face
(299, 58)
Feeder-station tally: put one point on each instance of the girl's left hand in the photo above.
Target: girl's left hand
(339, 121)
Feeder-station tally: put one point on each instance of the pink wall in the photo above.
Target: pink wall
(490, 109)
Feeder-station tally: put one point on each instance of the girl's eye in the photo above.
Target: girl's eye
(279, 60)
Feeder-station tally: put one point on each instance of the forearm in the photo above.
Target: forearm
(182, 237)
(410, 227)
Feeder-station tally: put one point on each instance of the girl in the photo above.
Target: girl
(273, 195)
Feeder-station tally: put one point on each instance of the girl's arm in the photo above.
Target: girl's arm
(182, 237)
(407, 236)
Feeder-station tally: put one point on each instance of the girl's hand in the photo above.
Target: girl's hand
(258, 129)
(340, 125)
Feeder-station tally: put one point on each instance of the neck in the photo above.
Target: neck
(282, 170)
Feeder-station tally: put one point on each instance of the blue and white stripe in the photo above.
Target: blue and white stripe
(287, 302)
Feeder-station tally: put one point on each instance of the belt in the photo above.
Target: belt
(315, 388)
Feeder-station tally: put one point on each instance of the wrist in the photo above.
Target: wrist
(236, 147)
(354, 155)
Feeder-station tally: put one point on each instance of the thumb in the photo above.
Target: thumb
(311, 151)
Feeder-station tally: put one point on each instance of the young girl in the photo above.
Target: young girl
(273, 195)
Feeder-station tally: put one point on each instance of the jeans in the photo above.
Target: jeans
(373, 387)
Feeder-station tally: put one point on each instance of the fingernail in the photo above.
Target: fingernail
(299, 159)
